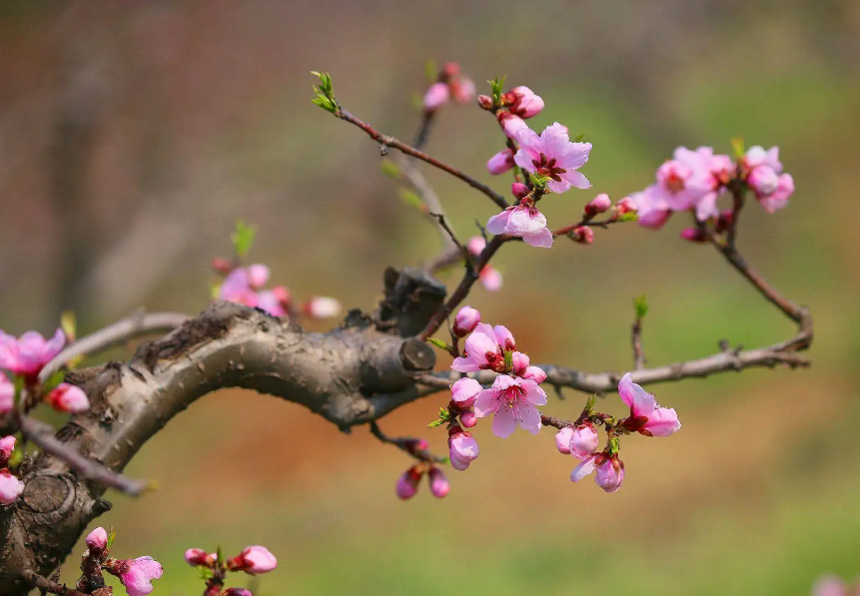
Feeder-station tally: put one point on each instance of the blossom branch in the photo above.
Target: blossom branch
(387, 141)
(414, 447)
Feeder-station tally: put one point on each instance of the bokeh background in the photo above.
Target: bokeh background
(133, 133)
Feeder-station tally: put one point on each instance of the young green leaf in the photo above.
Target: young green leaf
(641, 305)
(243, 238)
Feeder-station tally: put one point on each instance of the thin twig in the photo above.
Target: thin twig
(387, 141)
(423, 135)
(636, 342)
(408, 445)
(43, 583)
(431, 200)
(42, 435)
(135, 325)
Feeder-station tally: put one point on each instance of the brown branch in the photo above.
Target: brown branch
(407, 445)
(431, 200)
(387, 141)
(42, 435)
(135, 325)
(636, 343)
(35, 580)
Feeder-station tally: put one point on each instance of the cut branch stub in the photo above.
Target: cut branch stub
(412, 297)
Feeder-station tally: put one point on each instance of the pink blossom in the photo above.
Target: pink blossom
(694, 235)
(30, 352)
(710, 175)
(523, 222)
(505, 338)
(757, 156)
(270, 302)
(465, 391)
(501, 162)
(521, 368)
(511, 125)
(583, 235)
(138, 574)
(321, 307)
(407, 485)
(482, 351)
(779, 198)
(437, 94)
(10, 487)
(763, 180)
(552, 155)
(468, 419)
(237, 288)
(7, 394)
(258, 276)
(485, 102)
(196, 557)
(610, 471)
(525, 103)
(466, 320)
(584, 440)
(463, 89)
(439, 486)
(598, 205)
(562, 439)
(490, 277)
(462, 448)
(519, 190)
(68, 398)
(677, 185)
(7, 446)
(652, 212)
(764, 176)
(512, 401)
(647, 417)
(97, 540)
(254, 560)
(830, 585)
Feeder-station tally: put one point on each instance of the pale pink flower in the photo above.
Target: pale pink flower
(610, 471)
(68, 398)
(764, 176)
(462, 448)
(779, 198)
(562, 439)
(512, 401)
(758, 156)
(501, 162)
(490, 277)
(482, 351)
(505, 338)
(7, 446)
(677, 185)
(27, 354)
(10, 487)
(270, 302)
(254, 560)
(407, 485)
(320, 307)
(138, 574)
(437, 94)
(524, 102)
(466, 320)
(97, 540)
(258, 276)
(463, 89)
(553, 155)
(598, 205)
(236, 287)
(468, 419)
(511, 125)
(7, 394)
(710, 175)
(439, 486)
(584, 440)
(523, 222)
(465, 391)
(652, 212)
(521, 368)
(583, 235)
(646, 415)
(830, 585)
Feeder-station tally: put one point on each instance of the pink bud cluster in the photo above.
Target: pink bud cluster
(246, 285)
(516, 391)
(581, 439)
(136, 575)
(450, 83)
(253, 560)
(10, 486)
(25, 357)
(408, 483)
(694, 180)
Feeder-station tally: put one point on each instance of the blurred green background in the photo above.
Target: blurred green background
(133, 134)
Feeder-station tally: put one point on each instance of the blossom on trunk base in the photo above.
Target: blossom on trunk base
(97, 541)
(68, 398)
(10, 487)
(7, 446)
(137, 574)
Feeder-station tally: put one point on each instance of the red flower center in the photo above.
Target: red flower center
(547, 168)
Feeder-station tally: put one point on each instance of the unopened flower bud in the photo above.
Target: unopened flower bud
(519, 190)
(10, 487)
(584, 440)
(511, 124)
(450, 69)
(598, 204)
(525, 103)
(468, 418)
(463, 448)
(68, 398)
(463, 89)
(694, 234)
(763, 180)
(501, 162)
(609, 473)
(485, 102)
(435, 97)
(7, 446)
(254, 560)
(583, 235)
(196, 557)
(465, 391)
(258, 276)
(237, 592)
(562, 440)
(407, 485)
(320, 307)
(282, 295)
(625, 205)
(97, 541)
(221, 265)
(466, 320)
(438, 483)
